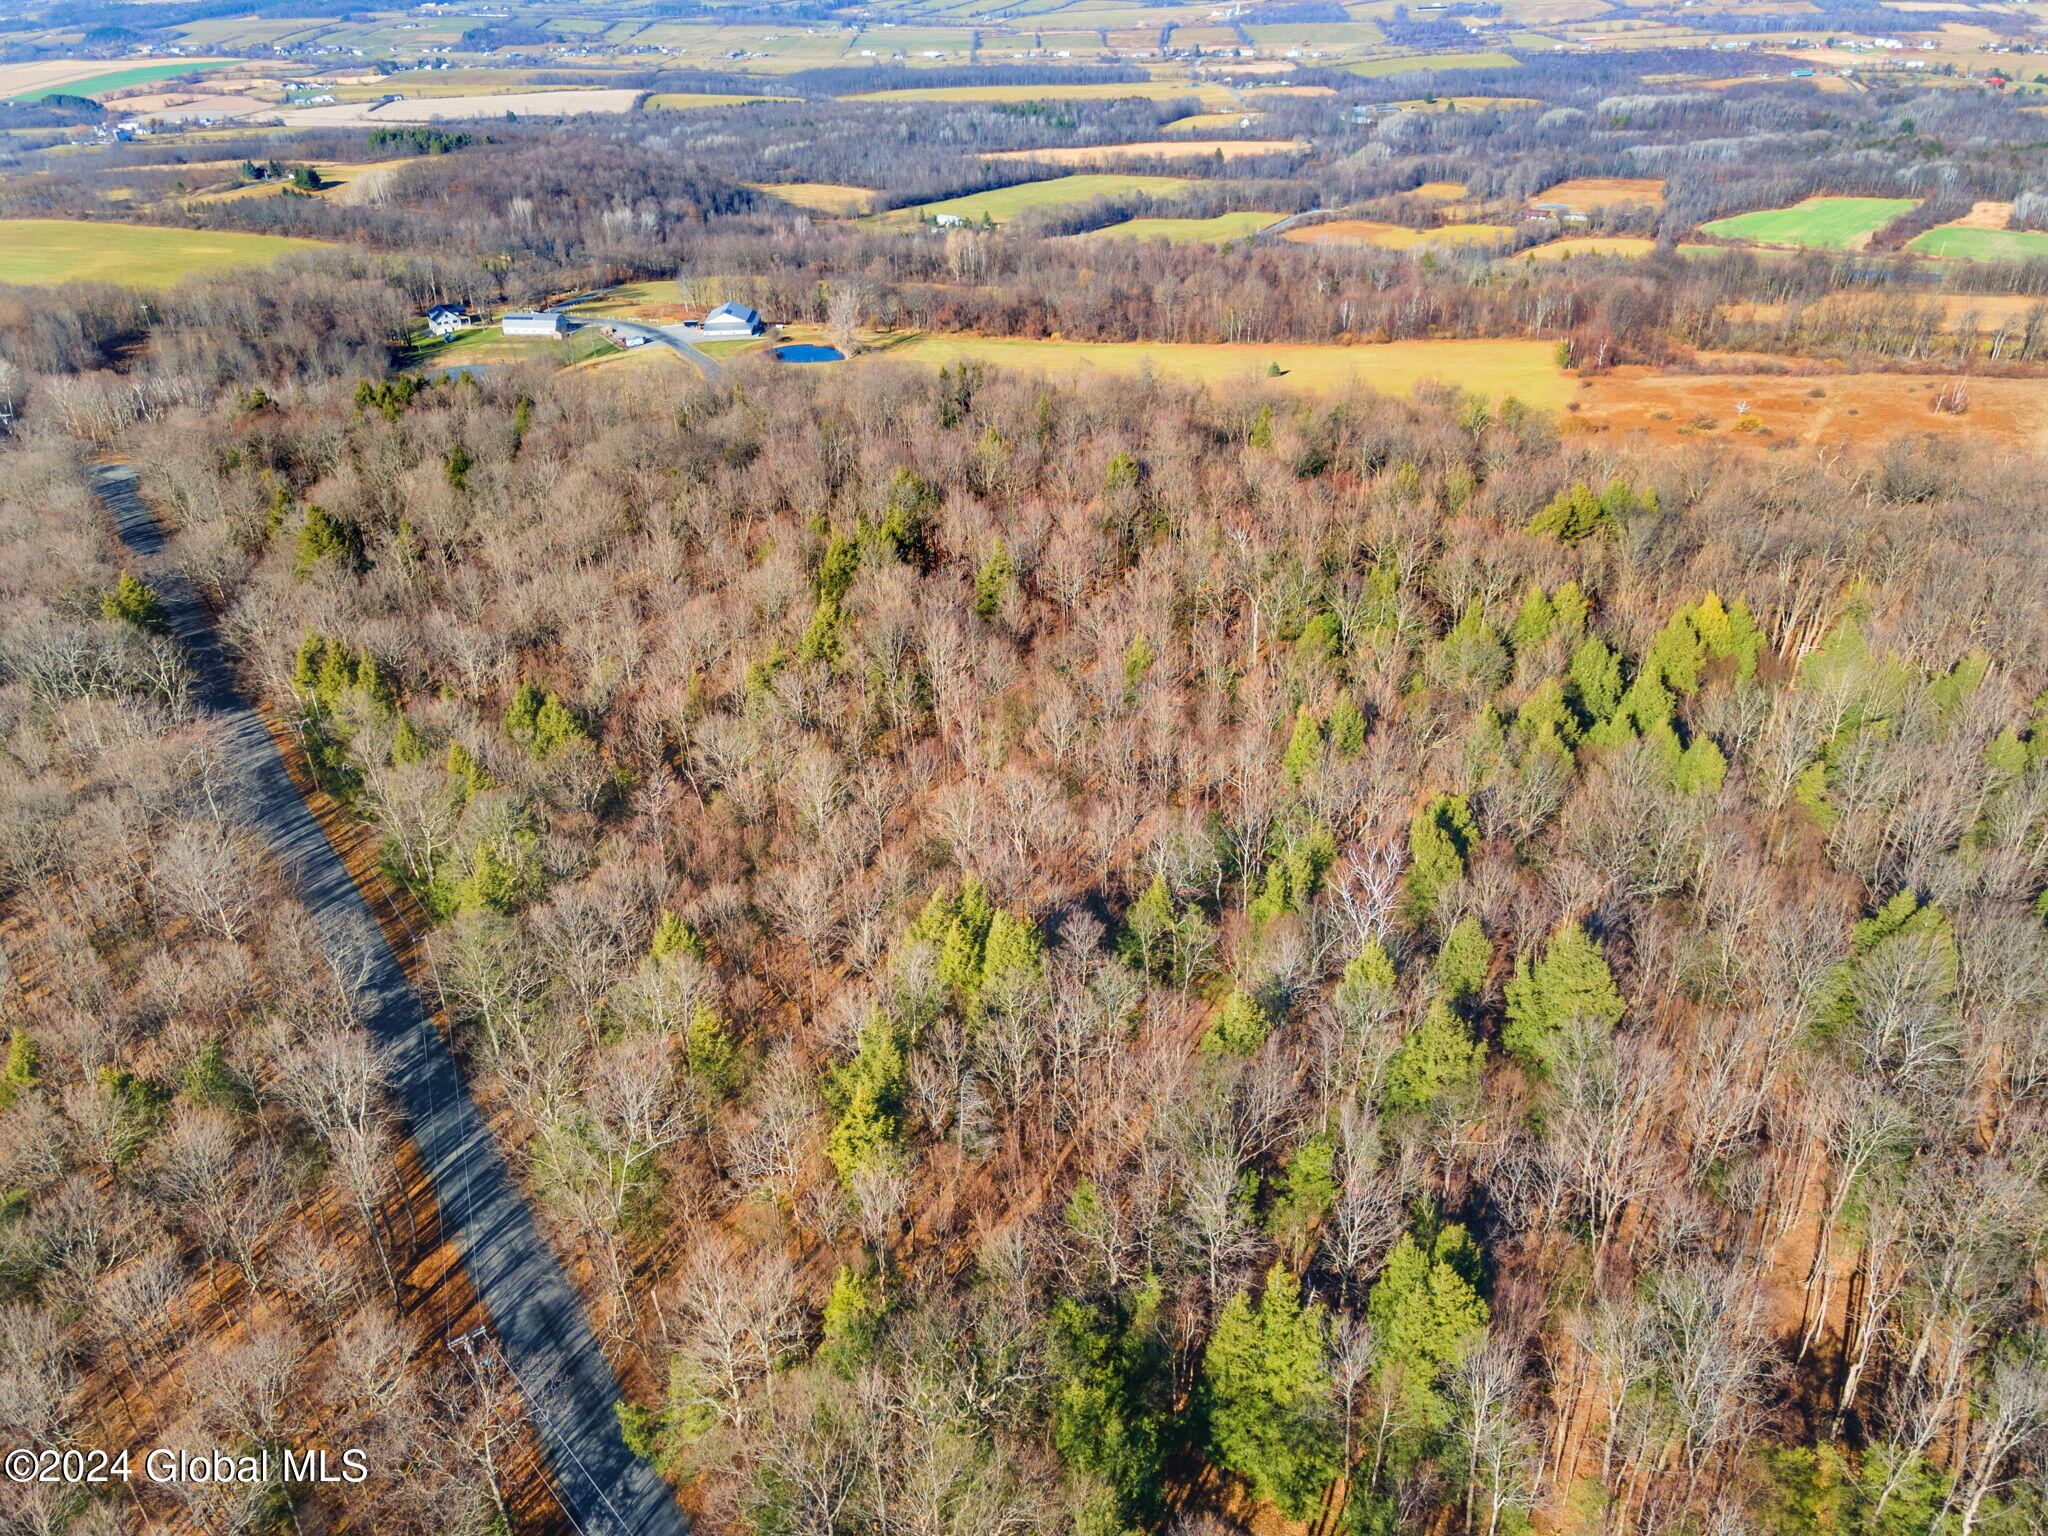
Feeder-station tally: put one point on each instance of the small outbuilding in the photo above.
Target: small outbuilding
(732, 320)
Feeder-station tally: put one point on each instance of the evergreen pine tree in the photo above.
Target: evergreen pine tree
(1426, 1314)
(554, 728)
(1112, 1373)
(1594, 680)
(710, 1055)
(672, 937)
(1439, 840)
(408, 746)
(868, 1094)
(1138, 659)
(994, 581)
(1266, 1396)
(1240, 1027)
(1571, 515)
(1462, 963)
(522, 711)
(1534, 621)
(853, 1317)
(469, 776)
(1438, 1057)
(1570, 984)
(1347, 727)
(1305, 749)
(1148, 929)
(1304, 1194)
(1568, 602)
(133, 603)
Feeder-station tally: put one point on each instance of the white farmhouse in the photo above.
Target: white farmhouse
(447, 319)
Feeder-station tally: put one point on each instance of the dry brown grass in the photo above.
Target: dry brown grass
(1812, 409)
(1604, 191)
(1590, 245)
(1396, 237)
(1151, 149)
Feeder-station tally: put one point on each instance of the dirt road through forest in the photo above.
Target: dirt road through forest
(536, 1315)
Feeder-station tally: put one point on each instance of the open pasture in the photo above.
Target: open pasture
(1584, 192)
(1213, 97)
(1379, 69)
(1823, 223)
(1005, 203)
(554, 103)
(1224, 226)
(686, 101)
(817, 196)
(1397, 237)
(1468, 103)
(1826, 408)
(1151, 149)
(1590, 245)
(89, 77)
(1525, 369)
(1981, 242)
(42, 251)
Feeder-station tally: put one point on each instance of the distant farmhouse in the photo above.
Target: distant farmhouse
(528, 322)
(731, 320)
(447, 319)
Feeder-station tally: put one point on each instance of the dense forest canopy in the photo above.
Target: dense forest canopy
(1050, 952)
(1027, 935)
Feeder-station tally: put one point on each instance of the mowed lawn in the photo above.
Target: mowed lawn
(1224, 226)
(1004, 203)
(132, 255)
(1981, 244)
(1828, 223)
(1525, 369)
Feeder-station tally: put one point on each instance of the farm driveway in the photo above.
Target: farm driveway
(535, 1314)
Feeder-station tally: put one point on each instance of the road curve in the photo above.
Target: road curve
(535, 1313)
(1273, 231)
(660, 336)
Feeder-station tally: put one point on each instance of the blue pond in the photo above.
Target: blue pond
(805, 352)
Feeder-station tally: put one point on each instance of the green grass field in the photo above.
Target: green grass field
(116, 80)
(1525, 369)
(35, 251)
(1225, 226)
(1004, 203)
(1981, 244)
(1826, 223)
(487, 344)
(1376, 69)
